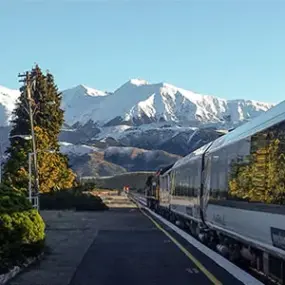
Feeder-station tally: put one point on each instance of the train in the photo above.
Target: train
(230, 193)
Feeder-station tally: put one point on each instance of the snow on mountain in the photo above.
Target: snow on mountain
(79, 101)
(141, 126)
(8, 98)
(78, 150)
(138, 82)
(138, 102)
(161, 131)
(113, 131)
(87, 160)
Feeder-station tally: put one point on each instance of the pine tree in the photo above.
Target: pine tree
(48, 119)
(49, 116)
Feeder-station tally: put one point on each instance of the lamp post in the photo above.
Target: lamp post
(36, 197)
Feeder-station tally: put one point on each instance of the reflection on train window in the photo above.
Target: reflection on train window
(187, 179)
(252, 169)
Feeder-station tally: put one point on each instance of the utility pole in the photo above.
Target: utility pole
(27, 80)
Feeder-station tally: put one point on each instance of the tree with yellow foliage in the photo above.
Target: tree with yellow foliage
(53, 173)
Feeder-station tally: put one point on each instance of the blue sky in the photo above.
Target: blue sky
(228, 48)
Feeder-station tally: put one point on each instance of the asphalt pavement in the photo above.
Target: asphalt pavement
(130, 248)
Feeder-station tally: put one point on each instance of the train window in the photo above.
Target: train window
(257, 168)
(260, 176)
(219, 175)
(220, 165)
(187, 180)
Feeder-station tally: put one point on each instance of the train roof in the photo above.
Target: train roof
(164, 170)
(192, 156)
(268, 119)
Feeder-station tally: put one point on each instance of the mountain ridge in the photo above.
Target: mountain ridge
(138, 102)
(92, 161)
(139, 126)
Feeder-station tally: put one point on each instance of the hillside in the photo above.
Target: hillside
(136, 159)
(93, 164)
(90, 161)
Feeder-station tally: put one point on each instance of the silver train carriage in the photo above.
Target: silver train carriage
(231, 193)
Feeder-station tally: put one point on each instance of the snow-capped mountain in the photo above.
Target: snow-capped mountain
(77, 150)
(79, 101)
(138, 102)
(140, 126)
(8, 98)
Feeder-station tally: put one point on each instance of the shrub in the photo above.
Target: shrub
(73, 199)
(21, 229)
(88, 186)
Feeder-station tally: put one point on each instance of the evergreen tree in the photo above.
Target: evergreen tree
(48, 119)
(49, 116)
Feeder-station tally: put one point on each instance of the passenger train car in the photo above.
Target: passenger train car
(230, 193)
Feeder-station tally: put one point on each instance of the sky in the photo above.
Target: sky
(227, 48)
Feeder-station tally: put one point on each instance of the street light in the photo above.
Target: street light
(30, 175)
(25, 137)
